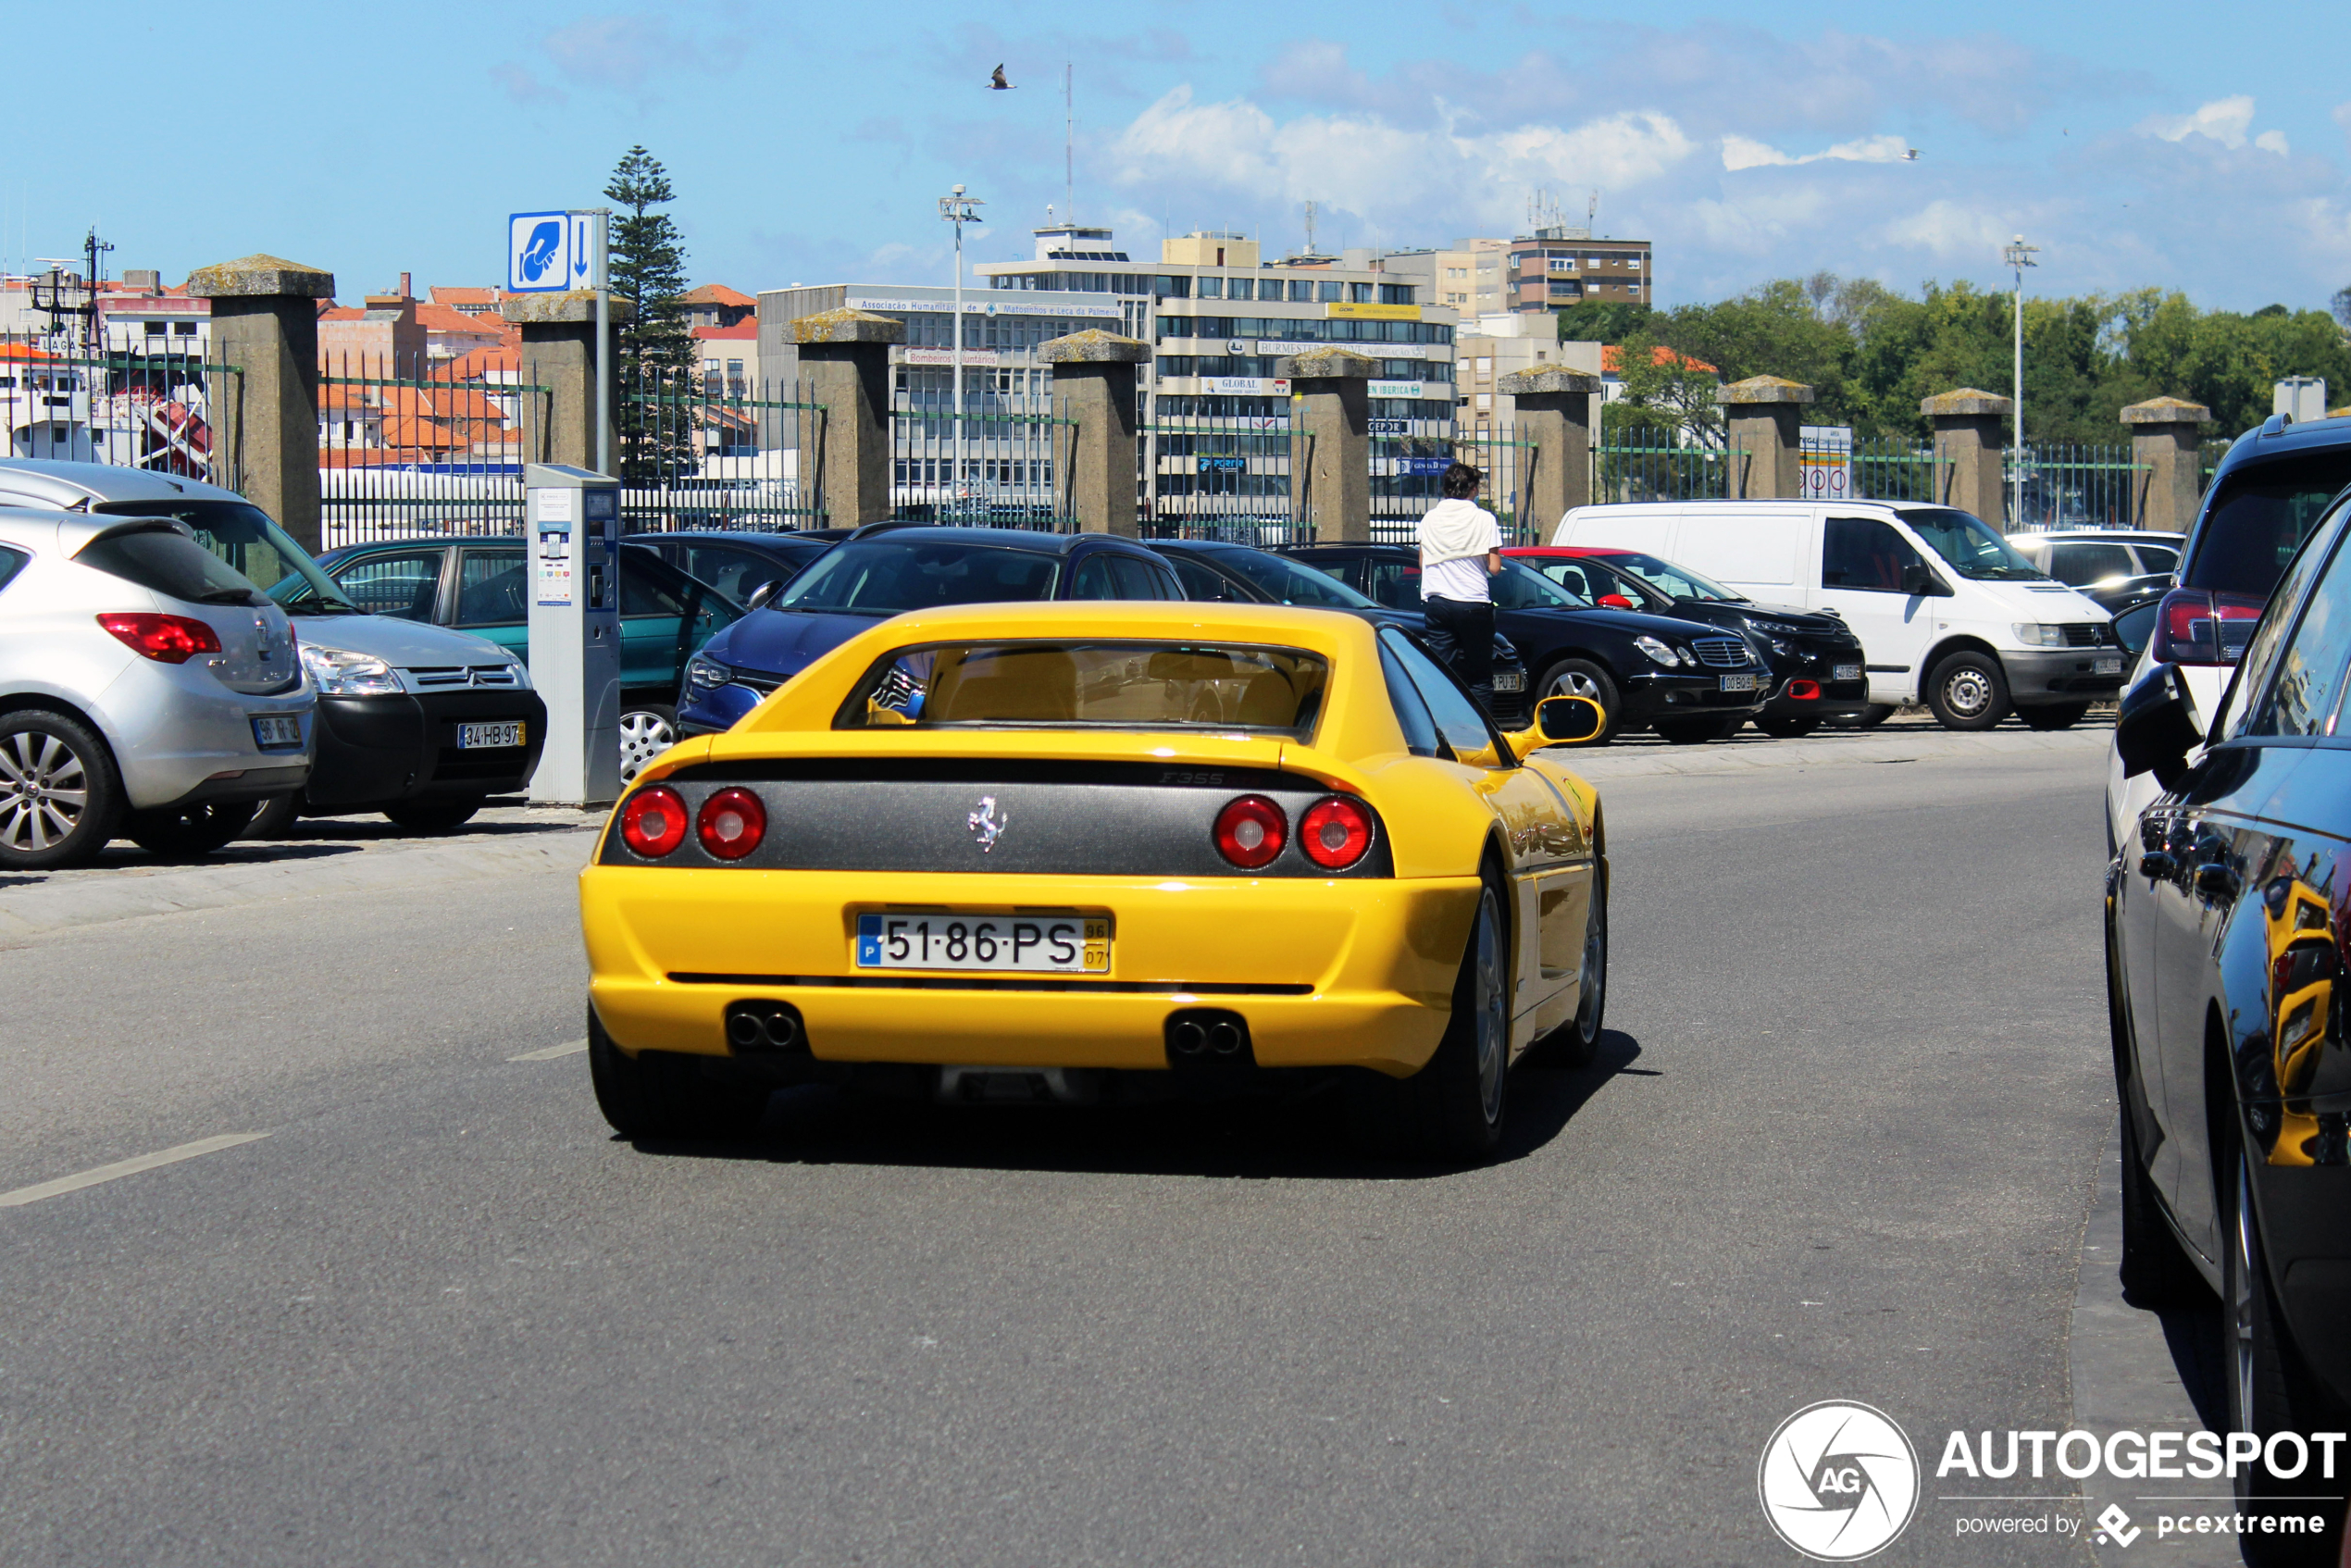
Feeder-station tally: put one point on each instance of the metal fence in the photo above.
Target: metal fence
(1220, 476)
(1625, 469)
(702, 450)
(1002, 476)
(1503, 459)
(411, 444)
(2074, 487)
(166, 413)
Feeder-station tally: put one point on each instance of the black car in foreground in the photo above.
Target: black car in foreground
(1217, 571)
(2228, 931)
(1688, 681)
(1816, 662)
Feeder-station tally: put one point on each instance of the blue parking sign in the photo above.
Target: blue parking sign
(539, 247)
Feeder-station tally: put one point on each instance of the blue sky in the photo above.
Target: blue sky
(2149, 143)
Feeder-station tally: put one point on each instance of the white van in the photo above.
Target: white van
(1947, 612)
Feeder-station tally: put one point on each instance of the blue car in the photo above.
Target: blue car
(886, 570)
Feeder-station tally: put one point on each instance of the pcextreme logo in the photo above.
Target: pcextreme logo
(1839, 1481)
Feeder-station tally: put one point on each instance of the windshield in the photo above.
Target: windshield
(885, 576)
(1290, 582)
(242, 535)
(1676, 582)
(1090, 685)
(1520, 587)
(1972, 546)
(2261, 517)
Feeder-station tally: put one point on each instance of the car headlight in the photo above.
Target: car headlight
(1778, 629)
(707, 674)
(522, 673)
(338, 672)
(1659, 653)
(2033, 634)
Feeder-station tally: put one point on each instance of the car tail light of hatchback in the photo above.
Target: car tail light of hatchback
(653, 822)
(168, 640)
(2196, 627)
(1250, 831)
(1334, 832)
(731, 824)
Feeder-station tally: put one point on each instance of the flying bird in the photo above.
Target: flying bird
(1911, 157)
(996, 79)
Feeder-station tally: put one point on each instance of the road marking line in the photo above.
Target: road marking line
(548, 1053)
(23, 1195)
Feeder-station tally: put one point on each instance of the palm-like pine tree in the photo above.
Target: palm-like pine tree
(653, 359)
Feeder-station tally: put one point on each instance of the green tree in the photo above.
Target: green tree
(653, 356)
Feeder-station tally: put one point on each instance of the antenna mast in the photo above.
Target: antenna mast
(1310, 229)
(1069, 140)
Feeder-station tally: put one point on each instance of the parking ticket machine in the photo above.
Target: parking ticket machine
(572, 518)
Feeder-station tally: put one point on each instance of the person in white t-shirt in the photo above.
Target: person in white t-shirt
(1461, 548)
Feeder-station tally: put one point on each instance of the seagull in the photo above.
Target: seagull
(996, 79)
(1911, 157)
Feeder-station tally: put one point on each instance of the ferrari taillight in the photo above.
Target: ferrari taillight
(1334, 832)
(731, 824)
(653, 822)
(1250, 831)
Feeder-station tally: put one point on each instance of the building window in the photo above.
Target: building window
(1485, 365)
(1175, 288)
(1395, 293)
(1240, 287)
(1329, 292)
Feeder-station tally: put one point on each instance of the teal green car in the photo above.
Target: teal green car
(481, 586)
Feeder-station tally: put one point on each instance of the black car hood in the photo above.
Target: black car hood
(1810, 622)
(1631, 623)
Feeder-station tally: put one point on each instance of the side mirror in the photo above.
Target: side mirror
(1559, 721)
(2156, 727)
(1616, 601)
(1921, 582)
(761, 594)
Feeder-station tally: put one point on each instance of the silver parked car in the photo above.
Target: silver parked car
(416, 721)
(146, 688)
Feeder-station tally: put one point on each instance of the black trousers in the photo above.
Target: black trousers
(1461, 637)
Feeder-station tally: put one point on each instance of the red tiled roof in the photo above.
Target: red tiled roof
(719, 293)
(741, 332)
(466, 296)
(1659, 354)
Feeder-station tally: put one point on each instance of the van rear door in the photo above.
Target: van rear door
(1761, 553)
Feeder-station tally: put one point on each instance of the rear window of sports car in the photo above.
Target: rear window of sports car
(1059, 684)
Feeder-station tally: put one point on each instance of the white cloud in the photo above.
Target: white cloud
(1368, 164)
(1948, 229)
(1740, 152)
(2224, 120)
(622, 51)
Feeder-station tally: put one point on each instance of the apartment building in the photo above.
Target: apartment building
(1496, 345)
(1467, 277)
(1554, 269)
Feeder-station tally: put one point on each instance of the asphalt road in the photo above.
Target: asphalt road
(1842, 1144)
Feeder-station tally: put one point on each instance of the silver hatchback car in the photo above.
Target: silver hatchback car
(146, 689)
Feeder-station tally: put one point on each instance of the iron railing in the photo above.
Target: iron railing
(410, 444)
(1003, 475)
(2071, 487)
(699, 450)
(166, 413)
(1220, 476)
(1658, 470)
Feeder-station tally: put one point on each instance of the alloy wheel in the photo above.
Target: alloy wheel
(1575, 683)
(1593, 989)
(1493, 1021)
(45, 790)
(644, 735)
(2240, 1302)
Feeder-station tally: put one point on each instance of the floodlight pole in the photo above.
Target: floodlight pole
(604, 343)
(2019, 255)
(957, 209)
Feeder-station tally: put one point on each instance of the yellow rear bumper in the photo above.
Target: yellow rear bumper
(1365, 969)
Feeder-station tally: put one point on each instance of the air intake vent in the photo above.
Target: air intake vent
(1724, 652)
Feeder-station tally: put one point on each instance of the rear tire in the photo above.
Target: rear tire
(59, 796)
(647, 730)
(1576, 1043)
(2053, 715)
(1581, 678)
(653, 1095)
(1452, 1109)
(1787, 726)
(430, 816)
(277, 817)
(1868, 719)
(1968, 690)
(189, 832)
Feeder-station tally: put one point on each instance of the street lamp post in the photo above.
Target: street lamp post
(2019, 255)
(957, 209)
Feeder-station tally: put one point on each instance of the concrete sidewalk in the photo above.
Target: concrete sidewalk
(1900, 739)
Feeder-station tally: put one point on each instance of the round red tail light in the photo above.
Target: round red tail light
(731, 824)
(1334, 833)
(653, 822)
(1250, 831)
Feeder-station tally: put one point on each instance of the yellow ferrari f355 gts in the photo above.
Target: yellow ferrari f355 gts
(1104, 852)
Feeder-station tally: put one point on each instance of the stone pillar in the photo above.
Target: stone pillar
(559, 352)
(265, 321)
(1970, 425)
(2167, 443)
(1094, 458)
(1553, 405)
(844, 360)
(1331, 455)
(1761, 415)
